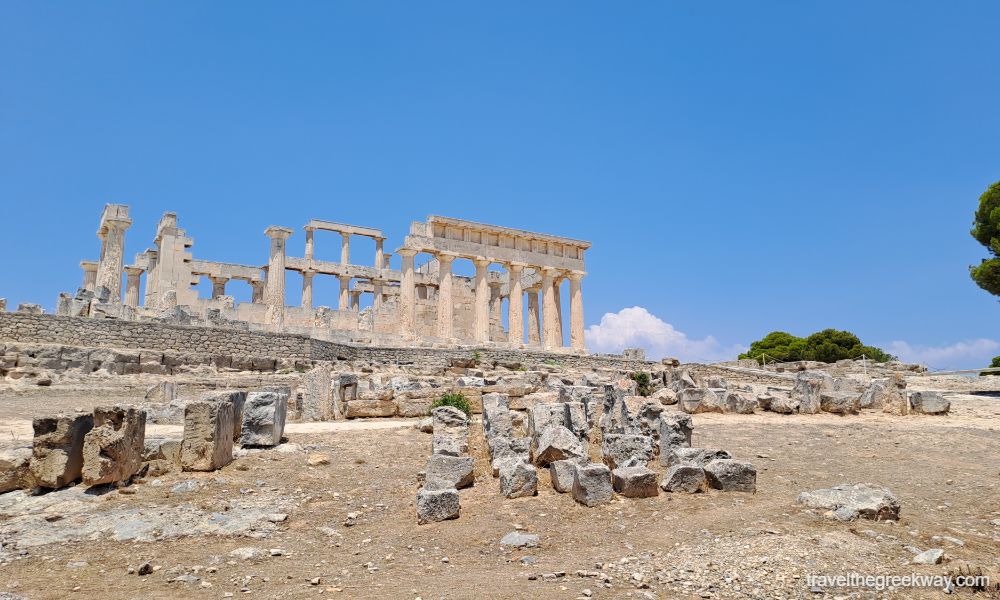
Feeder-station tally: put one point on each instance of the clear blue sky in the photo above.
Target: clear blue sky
(739, 167)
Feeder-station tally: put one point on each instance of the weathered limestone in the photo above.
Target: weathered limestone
(557, 443)
(684, 478)
(15, 469)
(113, 449)
(808, 390)
(114, 222)
(563, 473)
(317, 394)
(208, 435)
(848, 502)
(576, 310)
(550, 329)
(896, 401)
(675, 432)
(163, 392)
(518, 479)
(731, 475)
(929, 403)
(694, 456)
(235, 397)
(57, 449)
(592, 484)
(449, 472)
(446, 313)
(634, 482)
(161, 456)
(699, 400)
(515, 309)
(451, 431)
(503, 449)
(841, 403)
(274, 294)
(264, 415)
(621, 448)
(437, 505)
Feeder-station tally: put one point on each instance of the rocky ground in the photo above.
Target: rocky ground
(331, 513)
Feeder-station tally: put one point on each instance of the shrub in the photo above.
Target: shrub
(644, 386)
(456, 400)
(829, 345)
(995, 363)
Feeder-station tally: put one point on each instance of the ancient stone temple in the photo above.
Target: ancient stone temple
(422, 303)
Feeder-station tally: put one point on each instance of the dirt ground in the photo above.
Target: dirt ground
(351, 528)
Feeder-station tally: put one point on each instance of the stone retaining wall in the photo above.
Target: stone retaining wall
(147, 335)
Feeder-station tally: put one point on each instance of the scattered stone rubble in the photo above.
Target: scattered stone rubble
(448, 469)
(848, 502)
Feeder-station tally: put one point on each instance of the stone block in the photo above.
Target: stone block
(694, 456)
(412, 407)
(113, 449)
(731, 475)
(840, 403)
(557, 443)
(518, 479)
(235, 397)
(163, 392)
(57, 449)
(317, 395)
(699, 400)
(592, 484)
(675, 432)
(634, 482)
(688, 479)
(929, 403)
(562, 473)
(437, 505)
(15, 469)
(853, 501)
(371, 408)
(503, 448)
(451, 431)
(739, 402)
(617, 448)
(208, 435)
(264, 416)
(446, 472)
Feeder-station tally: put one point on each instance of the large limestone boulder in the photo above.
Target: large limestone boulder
(437, 505)
(739, 403)
(570, 415)
(15, 469)
(896, 402)
(688, 479)
(783, 404)
(563, 473)
(237, 398)
(161, 456)
(557, 443)
(317, 394)
(502, 449)
(634, 482)
(875, 394)
(113, 449)
(619, 448)
(208, 435)
(808, 390)
(665, 396)
(497, 420)
(163, 392)
(446, 472)
(451, 431)
(699, 400)
(694, 456)
(518, 479)
(929, 403)
(264, 415)
(847, 502)
(731, 475)
(57, 449)
(675, 432)
(839, 403)
(592, 484)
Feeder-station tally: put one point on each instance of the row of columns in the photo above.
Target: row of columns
(544, 321)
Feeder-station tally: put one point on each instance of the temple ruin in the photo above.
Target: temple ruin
(423, 303)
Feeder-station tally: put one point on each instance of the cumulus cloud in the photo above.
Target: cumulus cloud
(636, 327)
(967, 354)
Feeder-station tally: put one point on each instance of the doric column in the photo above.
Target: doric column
(482, 306)
(377, 294)
(89, 274)
(218, 286)
(379, 255)
(310, 245)
(307, 286)
(152, 268)
(534, 318)
(345, 248)
(576, 310)
(446, 315)
(109, 271)
(274, 295)
(496, 305)
(256, 292)
(406, 293)
(356, 300)
(549, 312)
(132, 275)
(557, 294)
(345, 291)
(515, 306)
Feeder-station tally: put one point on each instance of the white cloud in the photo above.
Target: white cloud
(967, 354)
(636, 327)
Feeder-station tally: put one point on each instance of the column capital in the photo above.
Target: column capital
(406, 252)
(309, 272)
(344, 278)
(276, 232)
(88, 265)
(118, 223)
(133, 270)
(481, 262)
(550, 272)
(445, 257)
(575, 275)
(308, 229)
(516, 266)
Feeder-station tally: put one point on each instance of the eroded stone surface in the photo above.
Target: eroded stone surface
(208, 435)
(592, 484)
(860, 500)
(113, 450)
(264, 415)
(57, 449)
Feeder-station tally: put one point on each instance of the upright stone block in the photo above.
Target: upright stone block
(235, 397)
(675, 432)
(619, 448)
(731, 475)
(15, 469)
(451, 431)
(929, 403)
(208, 435)
(446, 472)
(317, 395)
(518, 479)
(163, 392)
(264, 415)
(563, 473)
(557, 443)
(634, 482)
(437, 505)
(57, 450)
(592, 485)
(113, 449)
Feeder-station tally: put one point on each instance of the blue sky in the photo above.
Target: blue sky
(739, 167)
